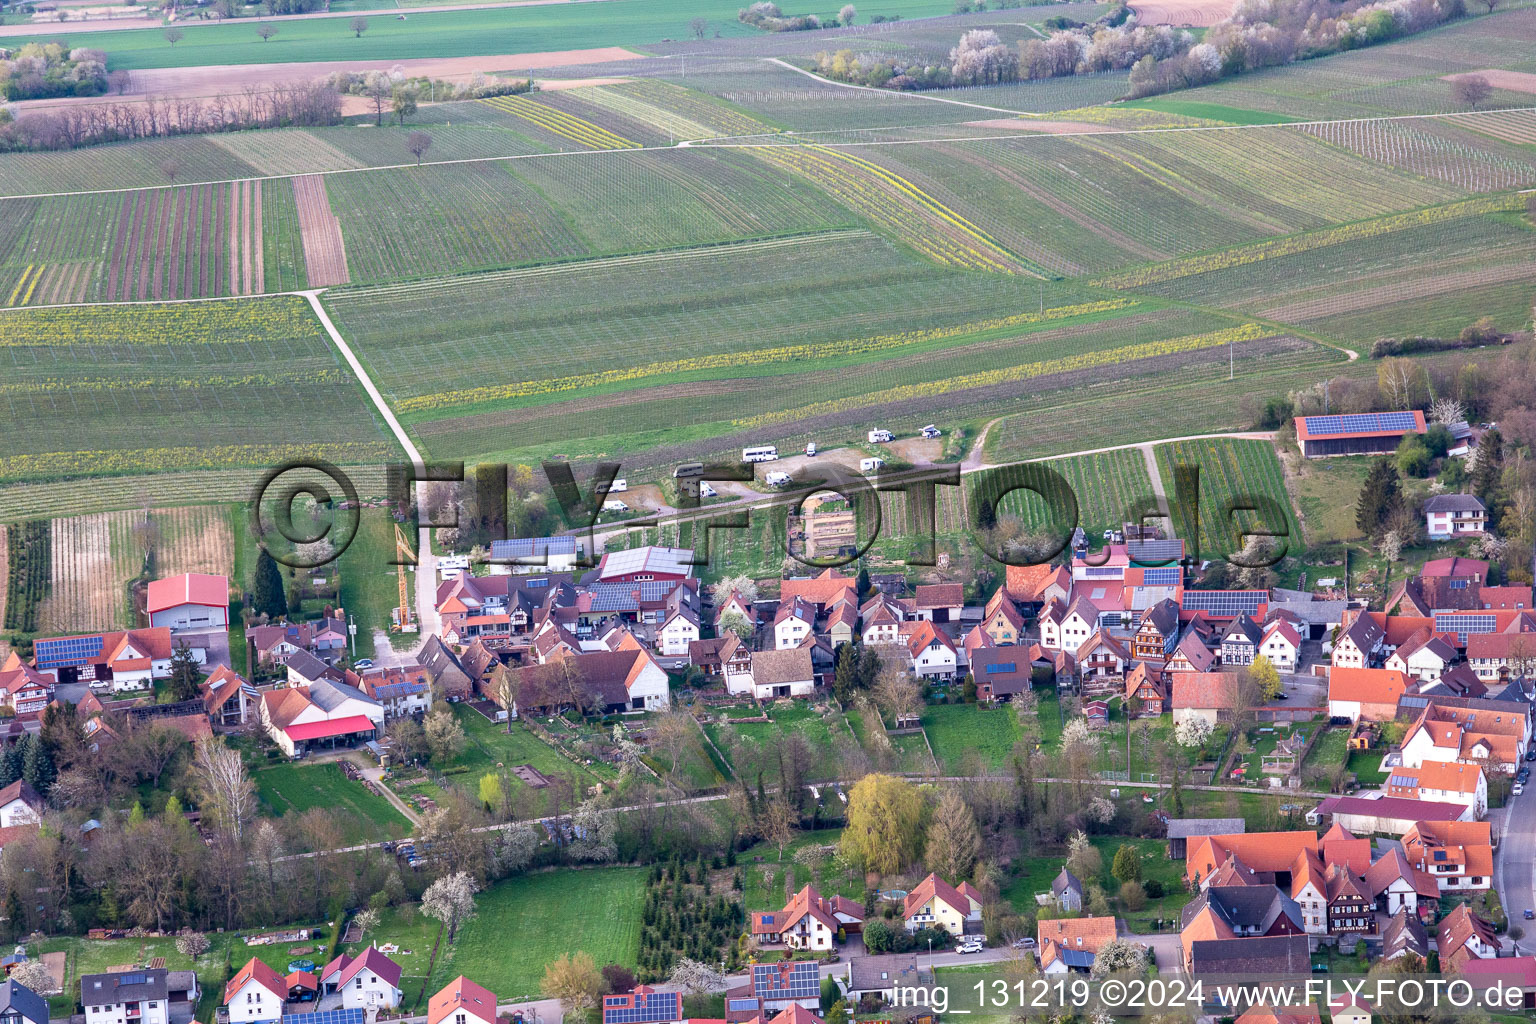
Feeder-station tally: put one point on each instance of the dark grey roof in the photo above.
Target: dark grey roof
(126, 987)
(330, 695)
(1243, 628)
(181, 981)
(1185, 828)
(869, 973)
(1245, 907)
(16, 997)
(1064, 881)
(1304, 607)
(438, 660)
(307, 665)
(1257, 955)
(1155, 551)
(1454, 503)
(1405, 933)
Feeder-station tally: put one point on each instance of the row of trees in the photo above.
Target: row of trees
(47, 70)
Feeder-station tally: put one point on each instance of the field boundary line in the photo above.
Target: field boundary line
(712, 143)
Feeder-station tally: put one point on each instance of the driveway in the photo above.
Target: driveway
(216, 644)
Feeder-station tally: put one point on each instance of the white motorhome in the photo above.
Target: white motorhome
(880, 436)
(615, 506)
(776, 479)
(870, 465)
(931, 431)
(706, 491)
(760, 453)
(618, 485)
(810, 448)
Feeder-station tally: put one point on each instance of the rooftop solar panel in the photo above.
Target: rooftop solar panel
(1224, 602)
(741, 1005)
(1165, 576)
(354, 1016)
(1360, 423)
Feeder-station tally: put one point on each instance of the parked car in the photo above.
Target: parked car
(1517, 788)
(972, 945)
(1530, 755)
(363, 663)
(1024, 943)
(1529, 914)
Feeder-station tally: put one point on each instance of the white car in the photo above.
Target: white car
(970, 946)
(1518, 788)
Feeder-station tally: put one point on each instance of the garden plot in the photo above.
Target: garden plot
(193, 539)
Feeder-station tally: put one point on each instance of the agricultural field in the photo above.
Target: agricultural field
(1108, 486)
(148, 244)
(101, 390)
(94, 560)
(1232, 471)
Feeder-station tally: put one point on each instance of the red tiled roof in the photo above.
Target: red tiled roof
(257, 971)
(1367, 685)
(461, 993)
(1204, 690)
(188, 588)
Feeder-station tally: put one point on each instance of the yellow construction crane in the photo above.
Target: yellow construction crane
(405, 556)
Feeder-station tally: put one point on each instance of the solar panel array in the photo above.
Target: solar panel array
(1165, 576)
(1360, 423)
(1002, 666)
(1155, 550)
(1461, 624)
(1224, 602)
(803, 982)
(353, 1016)
(649, 1008)
(741, 1005)
(72, 650)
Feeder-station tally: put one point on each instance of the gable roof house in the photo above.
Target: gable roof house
(680, 625)
(1396, 885)
(882, 617)
(1102, 661)
(1404, 935)
(628, 679)
(1493, 739)
(145, 996)
(934, 903)
(1033, 585)
(643, 1005)
(23, 688)
(462, 1001)
(1442, 781)
(780, 986)
(1356, 434)
(932, 652)
(1002, 620)
(1270, 855)
(325, 712)
(1360, 643)
(773, 674)
(809, 920)
(401, 690)
(1144, 684)
(229, 700)
(1222, 912)
(256, 993)
(20, 804)
(1070, 944)
(125, 660)
(1208, 695)
(938, 602)
(1424, 657)
(1463, 936)
(369, 980)
(1281, 644)
(1191, 654)
(1065, 627)
(20, 1005)
(449, 680)
(1240, 641)
(794, 621)
(1368, 694)
(1157, 634)
(1259, 957)
(1458, 855)
(1068, 890)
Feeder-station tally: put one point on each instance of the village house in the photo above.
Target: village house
(932, 652)
(1033, 586)
(934, 903)
(646, 564)
(938, 602)
(1222, 912)
(192, 601)
(1001, 620)
(809, 921)
(1070, 944)
(402, 690)
(1157, 634)
(1102, 661)
(323, 713)
(462, 1001)
(1208, 695)
(23, 688)
(1496, 657)
(1146, 692)
(120, 661)
(786, 985)
(1266, 957)
(1359, 644)
(627, 679)
(1356, 434)
(1405, 935)
(775, 674)
(228, 699)
(369, 981)
(1492, 739)
(1385, 815)
(1067, 890)
(1068, 627)
(1445, 781)
(1281, 644)
(1240, 641)
(1365, 694)
(1424, 657)
(146, 996)
(1448, 516)
(20, 1005)
(1269, 856)
(1000, 673)
(256, 993)
(449, 680)
(1463, 936)
(1508, 971)
(326, 638)
(20, 805)
(680, 627)
(1351, 907)
(643, 1003)
(1190, 655)
(882, 617)
(1396, 885)
(1458, 855)
(795, 620)
(881, 975)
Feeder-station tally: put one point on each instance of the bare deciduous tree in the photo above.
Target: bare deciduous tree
(418, 143)
(358, 26)
(266, 31)
(699, 26)
(174, 35)
(227, 794)
(1472, 90)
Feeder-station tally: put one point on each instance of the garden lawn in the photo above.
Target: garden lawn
(762, 873)
(957, 729)
(525, 922)
(1331, 748)
(416, 935)
(295, 788)
(491, 744)
(93, 956)
(764, 736)
(1366, 765)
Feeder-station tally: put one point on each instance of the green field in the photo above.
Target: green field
(441, 34)
(1111, 489)
(959, 730)
(116, 389)
(360, 816)
(607, 926)
(1234, 475)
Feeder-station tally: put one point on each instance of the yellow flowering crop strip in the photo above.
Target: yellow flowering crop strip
(76, 385)
(21, 283)
(891, 200)
(218, 456)
(192, 323)
(680, 126)
(1257, 252)
(724, 360)
(558, 121)
(1026, 371)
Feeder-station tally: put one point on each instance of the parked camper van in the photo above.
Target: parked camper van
(761, 453)
(870, 465)
(618, 485)
(776, 479)
(706, 491)
(810, 449)
(931, 431)
(615, 506)
(688, 469)
(880, 436)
